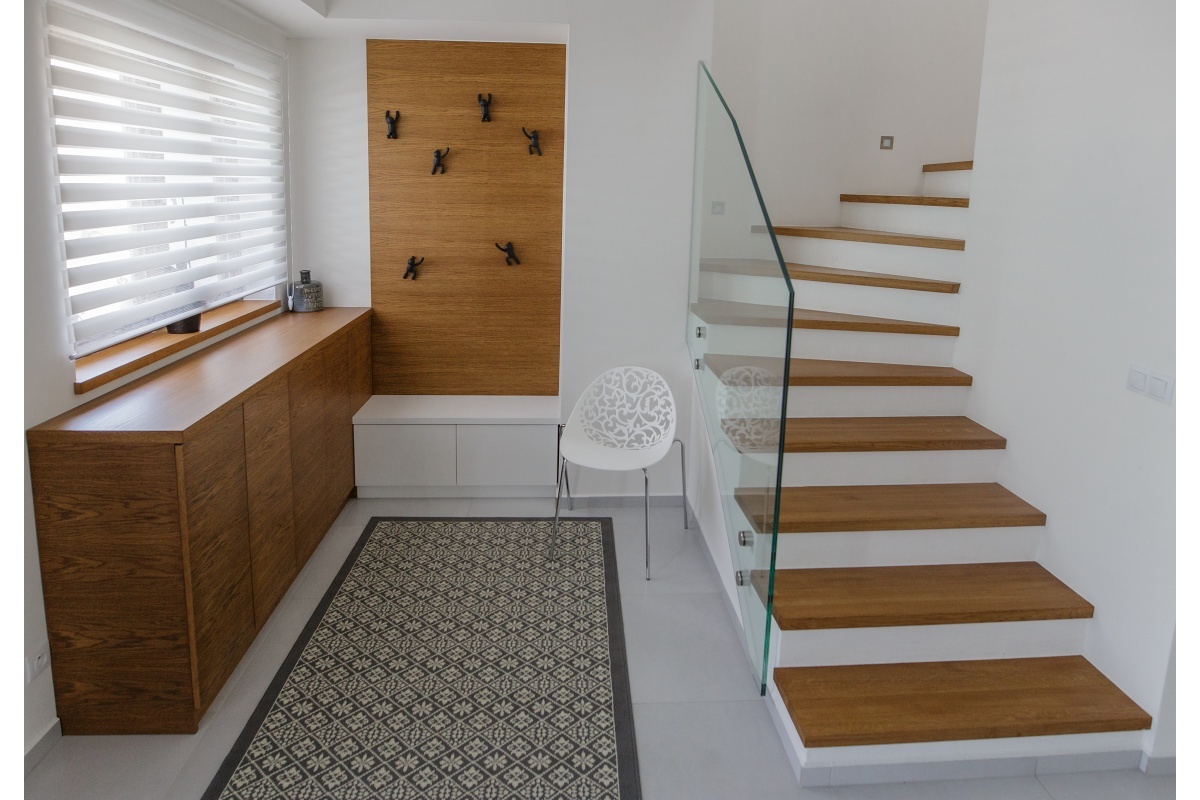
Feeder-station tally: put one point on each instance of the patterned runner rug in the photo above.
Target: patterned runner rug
(450, 659)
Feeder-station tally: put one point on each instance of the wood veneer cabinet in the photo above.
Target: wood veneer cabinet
(174, 513)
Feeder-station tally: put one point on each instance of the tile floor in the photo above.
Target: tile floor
(703, 732)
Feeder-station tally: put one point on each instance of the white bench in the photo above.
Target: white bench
(456, 446)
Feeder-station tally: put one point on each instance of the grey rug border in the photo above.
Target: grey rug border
(628, 772)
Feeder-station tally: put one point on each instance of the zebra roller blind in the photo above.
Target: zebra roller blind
(171, 175)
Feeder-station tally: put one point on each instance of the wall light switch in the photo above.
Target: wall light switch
(1136, 380)
(718, 206)
(1154, 385)
(886, 142)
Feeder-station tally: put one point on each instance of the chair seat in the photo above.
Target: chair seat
(578, 449)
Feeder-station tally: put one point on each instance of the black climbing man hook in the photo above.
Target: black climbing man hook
(412, 267)
(533, 141)
(483, 106)
(391, 123)
(438, 155)
(510, 257)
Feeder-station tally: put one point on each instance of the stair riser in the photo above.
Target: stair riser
(888, 468)
(877, 401)
(912, 643)
(885, 348)
(952, 183)
(935, 307)
(903, 218)
(915, 262)
(903, 548)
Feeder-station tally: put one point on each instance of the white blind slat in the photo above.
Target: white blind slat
(100, 298)
(71, 136)
(122, 242)
(99, 165)
(81, 52)
(107, 270)
(96, 192)
(137, 215)
(91, 111)
(85, 329)
(103, 30)
(77, 81)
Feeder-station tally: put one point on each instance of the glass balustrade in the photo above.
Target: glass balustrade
(739, 334)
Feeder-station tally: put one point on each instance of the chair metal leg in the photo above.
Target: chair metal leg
(683, 469)
(562, 470)
(558, 456)
(646, 475)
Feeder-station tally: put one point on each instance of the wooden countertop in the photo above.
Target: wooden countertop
(161, 406)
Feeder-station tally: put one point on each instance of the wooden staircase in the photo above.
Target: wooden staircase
(1046, 689)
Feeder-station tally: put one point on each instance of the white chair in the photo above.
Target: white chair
(624, 420)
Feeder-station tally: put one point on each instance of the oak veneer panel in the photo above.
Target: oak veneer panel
(807, 509)
(109, 544)
(953, 700)
(876, 434)
(360, 365)
(469, 324)
(943, 594)
(861, 235)
(161, 406)
(948, 166)
(339, 428)
(907, 200)
(762, 267)
(821, 372)
(218, 529)
(306, 400)
(269, 496)
(727, 312)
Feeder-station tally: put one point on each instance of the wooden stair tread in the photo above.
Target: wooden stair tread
(810, 509)
(942, 594)
(948, 166)
(761, 267)
(953, 700)
(908, 200)
(861, 235)
(873, 434)
(728, 312)
(823, 372)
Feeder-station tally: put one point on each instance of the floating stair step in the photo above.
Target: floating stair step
(761, 267)
(941, 594)
(726, 312)
(822, 372)
(859, 235)
(876, 434)
(949, 166)
(908, 200)
(903, 507)
(953, 700)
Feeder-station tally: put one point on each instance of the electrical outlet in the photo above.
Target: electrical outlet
(886, 142)
(36, 662)
(718, 206)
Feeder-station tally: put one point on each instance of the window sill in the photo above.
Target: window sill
(107, 365)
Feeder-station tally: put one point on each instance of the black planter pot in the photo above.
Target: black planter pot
(186, 325)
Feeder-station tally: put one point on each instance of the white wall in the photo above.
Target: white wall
(815, 83)
(627, 182)
(49, 374)
(1071, 276)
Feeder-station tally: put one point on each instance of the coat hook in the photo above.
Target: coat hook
(510, 257)
(484, 107)
(438, 155)
(412, 267)
(391, 123)
(533, 141)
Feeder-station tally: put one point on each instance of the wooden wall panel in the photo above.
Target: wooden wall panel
(269, 494)
(218, 525)
(112, 575)
(470, 324)
(307, 417)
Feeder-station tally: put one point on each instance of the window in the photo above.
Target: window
(171, 173)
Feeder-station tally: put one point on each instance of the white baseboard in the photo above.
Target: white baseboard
(45, 744)
(1157, 765)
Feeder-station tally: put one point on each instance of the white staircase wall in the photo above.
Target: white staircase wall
(885, 348)
(916, 262)
(950, 183)
(903, 548)
(877, 401)
(885, 469)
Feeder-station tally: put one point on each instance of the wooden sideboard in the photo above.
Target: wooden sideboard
(174, 513)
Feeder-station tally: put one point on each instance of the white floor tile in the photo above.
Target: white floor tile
(1126, 784)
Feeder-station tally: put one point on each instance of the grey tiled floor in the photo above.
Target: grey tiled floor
(703, 732)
